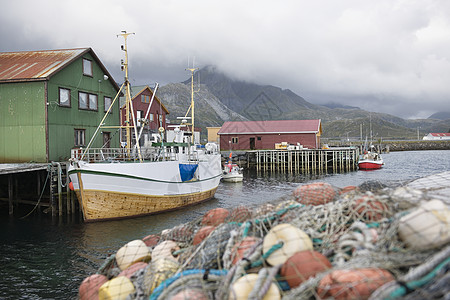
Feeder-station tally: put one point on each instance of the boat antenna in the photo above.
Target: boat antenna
(192, 70)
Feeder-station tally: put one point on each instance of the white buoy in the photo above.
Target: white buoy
(293, 240)
(427, 227)
(132, 252)
(118, 289)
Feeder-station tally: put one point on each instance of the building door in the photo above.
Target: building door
(252, 143)
(106, 139)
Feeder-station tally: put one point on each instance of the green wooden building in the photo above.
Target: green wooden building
(51, 102)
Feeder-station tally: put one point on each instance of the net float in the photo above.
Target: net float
(117, 288)
(128, 272)
(215, 216)
(186, 294)
(316, 193)
(201, 234)
(158, 271)
(165, 249)
(292, 240)
(303, 265)
(239, 249)
(370, 209)
(240, 214)
(426, 227)
(151, 240)
(89, 287)
(352, 284)
(131, 253)
(242, 288)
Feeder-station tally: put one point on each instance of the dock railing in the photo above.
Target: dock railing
(342, 159)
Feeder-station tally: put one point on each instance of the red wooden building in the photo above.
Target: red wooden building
(258, 135)
(141, 97)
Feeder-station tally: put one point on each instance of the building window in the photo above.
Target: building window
(108, 102)
(93, 102)
(139, 116)
(83, 100)
(87, 101)
(79, 137)
(106, 139)
(64, 97)
(145, 99)
(87, 67)
(151, 118)
(234, 140)
(258, 138)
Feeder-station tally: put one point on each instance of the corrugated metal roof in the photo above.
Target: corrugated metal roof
(35, 65)
(440, 134)
(273, 126)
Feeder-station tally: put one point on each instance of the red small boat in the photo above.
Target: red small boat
(370, 161)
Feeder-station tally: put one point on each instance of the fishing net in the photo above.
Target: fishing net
(372, 241)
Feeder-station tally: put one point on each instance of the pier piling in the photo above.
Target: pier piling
(343, 159)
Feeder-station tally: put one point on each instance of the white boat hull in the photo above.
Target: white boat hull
(233, 177)
(120, 190)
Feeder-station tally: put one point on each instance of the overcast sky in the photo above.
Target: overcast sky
(390, 56)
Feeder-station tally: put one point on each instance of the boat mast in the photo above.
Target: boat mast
(192, 101)
(128, 105)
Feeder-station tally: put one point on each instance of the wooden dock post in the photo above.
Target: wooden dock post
(10, 194)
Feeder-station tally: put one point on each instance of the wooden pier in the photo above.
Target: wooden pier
(40, 186)
(343, 159)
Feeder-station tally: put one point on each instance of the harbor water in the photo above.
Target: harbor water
(45, 258)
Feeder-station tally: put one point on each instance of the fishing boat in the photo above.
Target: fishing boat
(371, 160)
(132, 181)
(232, 172)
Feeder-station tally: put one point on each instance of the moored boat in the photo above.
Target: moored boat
(134, 181)
(232, 173)
(370, 161)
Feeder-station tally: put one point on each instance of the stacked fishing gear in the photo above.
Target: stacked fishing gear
(321, 242)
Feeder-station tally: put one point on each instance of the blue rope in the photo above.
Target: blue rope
(157, 292)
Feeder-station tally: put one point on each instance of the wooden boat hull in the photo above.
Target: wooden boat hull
(102, 206)
(110, 191)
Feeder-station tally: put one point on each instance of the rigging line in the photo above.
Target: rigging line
(39, 200)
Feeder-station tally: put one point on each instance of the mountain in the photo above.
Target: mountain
(443, 115)
(221, 98)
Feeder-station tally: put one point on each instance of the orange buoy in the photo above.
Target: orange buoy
(201, 234)
(347, 189)
(89, 287)
(241, 247)
(151, 240)
(128, 272)
(303, 265)
(370, 209)
(352, 284)
(316, 193)
(71, 186)
(215, 216)
(240, 214)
